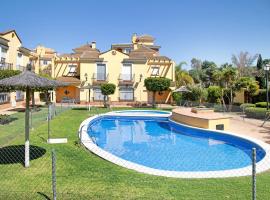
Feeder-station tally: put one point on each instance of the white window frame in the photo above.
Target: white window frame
(101, 96)
(155, 71)
(106, 69)
(126, 90)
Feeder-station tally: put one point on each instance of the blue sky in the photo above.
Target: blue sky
(204, 29)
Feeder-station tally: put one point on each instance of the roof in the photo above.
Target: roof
(4, 41)
(28, 79)
(145, 38)
(24, 50)
(142, 52)
(90, 53)
(70, 55)
(160, 58)
(69, 79)
(83, 48)
(10, 31)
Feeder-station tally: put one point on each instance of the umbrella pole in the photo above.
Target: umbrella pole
(27, 143)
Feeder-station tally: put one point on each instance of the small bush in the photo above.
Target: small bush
(247, 105)
(261, 104)
(257, 113)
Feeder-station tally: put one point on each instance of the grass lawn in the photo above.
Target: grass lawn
(83, 175)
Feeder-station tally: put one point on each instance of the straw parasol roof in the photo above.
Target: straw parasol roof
(182, 89)
(28, 81)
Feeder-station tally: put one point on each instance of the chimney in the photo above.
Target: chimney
(134, 38)
(93, 45)
(135, 46)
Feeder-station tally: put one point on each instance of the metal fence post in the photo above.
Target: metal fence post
(54, 174)
(253, 173)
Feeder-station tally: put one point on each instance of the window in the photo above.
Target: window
(19, 60)
(101, 72)
(98, 96)
(126, 72)
(45, 62)
(72, 69)
(155, 71)
(126, 94)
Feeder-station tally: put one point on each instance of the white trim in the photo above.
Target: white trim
(262, 165)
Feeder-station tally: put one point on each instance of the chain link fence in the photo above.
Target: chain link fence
(71, 171)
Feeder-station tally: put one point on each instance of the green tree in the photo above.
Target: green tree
(250, 85)
(107, 89)
(156, 84)
(183, 78)
(260, 79)
(208, 68)
(214, 94)
(196, 94)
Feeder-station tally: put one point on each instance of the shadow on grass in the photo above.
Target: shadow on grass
(15, 154)
(44, 195)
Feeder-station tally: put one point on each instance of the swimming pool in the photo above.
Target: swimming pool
(152, 143)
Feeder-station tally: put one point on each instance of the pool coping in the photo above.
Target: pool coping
(87, 141)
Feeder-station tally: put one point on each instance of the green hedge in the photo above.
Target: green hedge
(257, 113)
(247, 105)
(261, 104)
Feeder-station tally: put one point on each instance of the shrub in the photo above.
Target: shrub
(257, 113)
(260, 97)
(196, 94)
(261, 104)
(177, 97)
(247, 105)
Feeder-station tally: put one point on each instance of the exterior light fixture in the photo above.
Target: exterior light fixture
(266, 69)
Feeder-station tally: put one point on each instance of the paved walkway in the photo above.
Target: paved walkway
(250, 127)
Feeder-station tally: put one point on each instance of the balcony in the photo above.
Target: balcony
(6, 66)
(126, 79)
(99, 78)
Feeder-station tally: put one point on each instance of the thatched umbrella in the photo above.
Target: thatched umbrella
(182, 89)
(28, 81)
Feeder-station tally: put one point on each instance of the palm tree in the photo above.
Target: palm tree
(181, 76)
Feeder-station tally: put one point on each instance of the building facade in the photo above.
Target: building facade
(13, 56)
(125, 65)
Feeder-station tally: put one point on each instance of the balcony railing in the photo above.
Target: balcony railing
(126, 78)
(4, 98)
(100, 77)
(5, 66)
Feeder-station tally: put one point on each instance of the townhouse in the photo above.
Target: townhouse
(125, 64)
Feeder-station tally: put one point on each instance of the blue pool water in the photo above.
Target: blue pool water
(161, 144)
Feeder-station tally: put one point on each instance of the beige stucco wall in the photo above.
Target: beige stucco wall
(200, 122)
(114, 62)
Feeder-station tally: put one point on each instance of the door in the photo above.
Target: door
(127, 72)
(101, 72)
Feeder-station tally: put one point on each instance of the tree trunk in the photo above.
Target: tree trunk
(154, 99)
(33, 99)
(104, 101)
